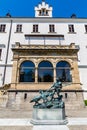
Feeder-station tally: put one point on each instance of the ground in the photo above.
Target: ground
(21, 115)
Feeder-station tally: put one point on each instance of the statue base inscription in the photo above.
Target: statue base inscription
(49, 116)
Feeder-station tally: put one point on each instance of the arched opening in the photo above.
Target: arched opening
(27, 72)
(45, 72)
(63, 71)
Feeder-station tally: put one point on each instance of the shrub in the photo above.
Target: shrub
(85, 102)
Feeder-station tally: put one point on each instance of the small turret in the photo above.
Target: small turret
(73, 16)
(8, 15)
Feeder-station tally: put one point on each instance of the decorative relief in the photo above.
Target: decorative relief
(36, 54)
(45, 53)
(70, 47)
(51, 59)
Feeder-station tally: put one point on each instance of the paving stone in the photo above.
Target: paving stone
(80, 127)
(16, 128)
(13, 113)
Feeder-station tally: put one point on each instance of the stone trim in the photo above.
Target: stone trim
(79, 91)
(45, 20)
(8, 65)
(82, 66)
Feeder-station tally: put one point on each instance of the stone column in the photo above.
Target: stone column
(54, 70)
(55, 74)
(14, 74)
(36, 75)
(76, 73)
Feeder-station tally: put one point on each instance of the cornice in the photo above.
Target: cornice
(45, 20)
(41, 49)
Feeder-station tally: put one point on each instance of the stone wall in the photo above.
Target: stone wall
(3, 101)
(21, 100)
(73, 100)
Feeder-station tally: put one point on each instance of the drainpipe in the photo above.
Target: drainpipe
(6, 60)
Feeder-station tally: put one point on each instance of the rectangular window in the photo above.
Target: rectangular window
(51, 28)
(0, 53)
(35, 28)
(71, 28)
(86, 28)
(2, 45)
(19, 28)
(2, 27)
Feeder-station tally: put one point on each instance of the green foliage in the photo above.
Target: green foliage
(85, 101)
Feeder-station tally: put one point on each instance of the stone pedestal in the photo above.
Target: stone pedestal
(49, 116)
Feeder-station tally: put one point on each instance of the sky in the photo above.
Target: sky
(61, 8)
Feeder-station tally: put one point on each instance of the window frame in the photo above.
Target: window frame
(35, 28)
(2, 28)
(19, 28)
(24, 68)
(0, 53)
(43, 69)
(71, 28)
(51, 28)
(86, 28)
(63, 72)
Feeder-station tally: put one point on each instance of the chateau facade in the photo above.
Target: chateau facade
(36, 51)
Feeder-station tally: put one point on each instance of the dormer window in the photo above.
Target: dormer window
(43, 10)
(46, 12)
(40, 13)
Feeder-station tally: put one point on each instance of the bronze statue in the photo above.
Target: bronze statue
(50, 98)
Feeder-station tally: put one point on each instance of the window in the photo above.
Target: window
(35, 28)
(43, 12)
(19, 28)
(51, 28)
(71, 28)
(86, 28)
(27, 72)
(2, 27)
(0, 53)
(2, 45)
(63, 71)
(40, 12)
(45, 72)
(46, 12)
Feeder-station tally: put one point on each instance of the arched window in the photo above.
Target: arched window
(45, 72)
(27, 72)
(63, 71)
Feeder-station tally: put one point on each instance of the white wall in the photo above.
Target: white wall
(61, 27)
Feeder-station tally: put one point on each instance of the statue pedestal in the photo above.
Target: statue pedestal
(49, 116)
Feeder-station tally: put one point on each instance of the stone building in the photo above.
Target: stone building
(36, 51)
